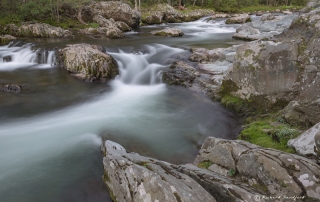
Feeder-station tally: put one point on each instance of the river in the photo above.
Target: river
(50, 133)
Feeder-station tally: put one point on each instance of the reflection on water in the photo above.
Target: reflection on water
(51, 131)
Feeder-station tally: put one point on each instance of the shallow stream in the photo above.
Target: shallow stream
(50, 133)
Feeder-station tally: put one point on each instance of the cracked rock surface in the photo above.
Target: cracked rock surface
(224, 170)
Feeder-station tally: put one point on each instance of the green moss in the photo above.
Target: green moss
(227, 87)
(205, 164)
(234, 103)
(260, 187)
(262, 132)
(248, 52)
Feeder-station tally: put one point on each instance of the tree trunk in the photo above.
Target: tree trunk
(135, 5)
(194, 2)
(79, 16)
(139, 6)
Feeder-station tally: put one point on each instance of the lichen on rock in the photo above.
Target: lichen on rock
(88, 62)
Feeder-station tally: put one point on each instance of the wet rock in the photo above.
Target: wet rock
(243, 18)
(259, 13)
(305, 144)
(268, 16)
(33, 29)
(88, 62)
(14, 88)
(179, 73)
(112, 31)
(174, 32)
(287, 12)
(6, 39)
(118, 11)
(123, 26)
(275, 173)
(246, 32)
(264, 28)
(207, 76)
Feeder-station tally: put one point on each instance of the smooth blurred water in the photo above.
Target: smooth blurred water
(50, 133)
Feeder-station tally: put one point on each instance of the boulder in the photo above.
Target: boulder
(37, 30)
(174, 32)
(88, 62)
(275, 173)
(224, 170)
(282, 73)
(179, 73)
(131, 177)
(243, 18)
(305, 144)
(267, 16)
(5, 39)
(206, 76)
(246, 32)
(154, 17)
(264, 28)
(123, 26)
(112, 31)
(118, 11)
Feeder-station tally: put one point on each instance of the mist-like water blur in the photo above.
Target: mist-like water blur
(47, 156)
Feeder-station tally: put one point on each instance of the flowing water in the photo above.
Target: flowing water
(50, 132)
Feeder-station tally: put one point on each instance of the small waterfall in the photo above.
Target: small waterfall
(140, 68)
(16, 56)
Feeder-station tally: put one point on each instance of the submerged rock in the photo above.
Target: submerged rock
(228, 170)
(88, 62)
(174, 32)
(14, 88)
(5, 39)
(33, 29)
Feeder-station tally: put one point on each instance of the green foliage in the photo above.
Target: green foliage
(231, 172)
(94, 25)
(266, 132)
(205, 164)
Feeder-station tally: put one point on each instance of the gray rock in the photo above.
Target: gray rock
(208, 75)
(229, 170)
(118, 11)
(268, 16)
(88, 62)
(243, 18)
(174, 32)
(265, 28)
(246, 32)
(5, 39)
(112, 31)
(131, 177)
(123, 26)
(305, 144)
(38, 30)
(179, 73)
(276, 173)
(14, 88)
